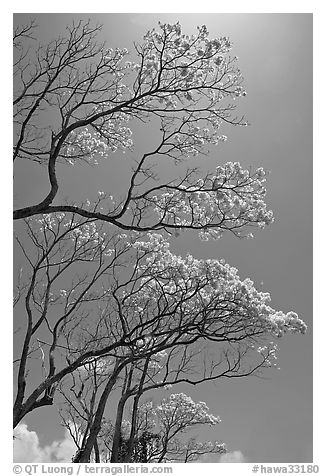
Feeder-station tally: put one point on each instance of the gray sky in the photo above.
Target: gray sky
(268, 420)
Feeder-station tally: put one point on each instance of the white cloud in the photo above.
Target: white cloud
(27, 448)
(210, 458)
(233, 457)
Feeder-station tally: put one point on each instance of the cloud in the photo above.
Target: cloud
(233, 457)
(210, 458)
(27, 448)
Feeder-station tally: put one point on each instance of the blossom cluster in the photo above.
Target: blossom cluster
(207, 297)
(180, 409)
(168, 422)
(190, 139)
(176, 72)
(199, 448)
(174, 76)
(180, 78)
(225, 298)
(232, 199)
(87, 233)
(187, 62)
(69, 235)
(49, 221)
(89, 144)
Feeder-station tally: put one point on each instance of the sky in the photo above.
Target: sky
(263, 420)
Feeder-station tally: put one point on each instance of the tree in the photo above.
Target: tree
(57, 249)
(134, 440)
(182, 83)
(101, 305)
(161, 432)
(153, 432)
(92, 294)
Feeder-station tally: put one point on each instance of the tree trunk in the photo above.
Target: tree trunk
(117, 429)
(97, 452)
(84, 454)
(131, 441)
